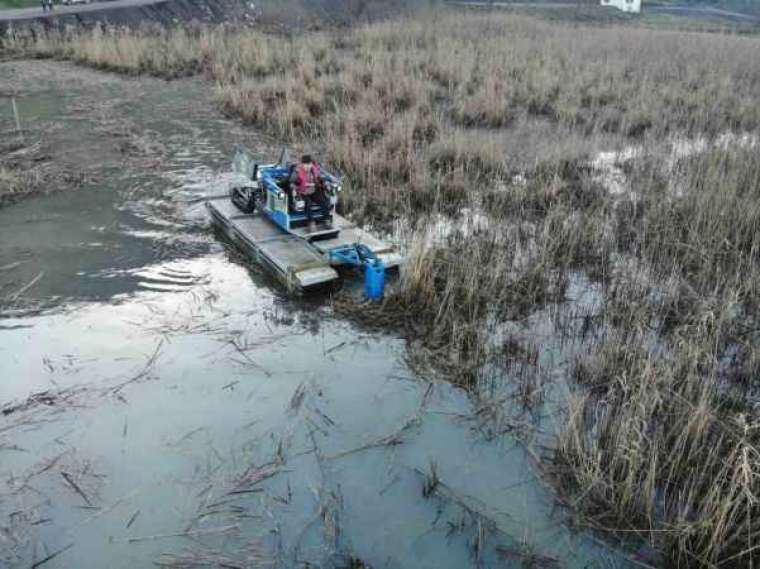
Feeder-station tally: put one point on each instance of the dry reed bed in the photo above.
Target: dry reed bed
(394, 101)
(662, 437)
(662, 441)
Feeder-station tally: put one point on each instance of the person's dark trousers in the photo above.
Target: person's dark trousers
(318, 198)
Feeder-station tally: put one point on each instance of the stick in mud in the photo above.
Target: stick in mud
(199, 532)
(51, 463)
(10, 266)
(51, 556)
(447, 493)
(145, 370)
(254, 475)
(110, 508)
(132, 519)
(67, 477)
(392, 439)
(26, 287)
(248, 358)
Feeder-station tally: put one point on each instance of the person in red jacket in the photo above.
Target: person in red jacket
(310, 187)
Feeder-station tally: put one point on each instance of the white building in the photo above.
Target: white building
(624, 5)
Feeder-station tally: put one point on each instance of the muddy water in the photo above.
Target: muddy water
(196, 416)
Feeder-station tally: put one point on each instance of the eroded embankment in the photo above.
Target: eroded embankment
(132, 14)
(284, 16)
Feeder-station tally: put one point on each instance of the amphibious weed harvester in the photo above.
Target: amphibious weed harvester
(265, 218)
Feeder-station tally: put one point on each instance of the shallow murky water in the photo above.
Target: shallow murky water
(609, 165)
(194, 414)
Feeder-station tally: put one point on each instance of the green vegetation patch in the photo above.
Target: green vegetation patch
(11, 4)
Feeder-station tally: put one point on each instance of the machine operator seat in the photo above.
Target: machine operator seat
(288, 188)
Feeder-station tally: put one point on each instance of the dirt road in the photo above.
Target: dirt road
(485, 4)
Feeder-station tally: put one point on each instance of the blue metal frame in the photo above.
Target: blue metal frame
(359, 255)
(356, 255)
(268, 176)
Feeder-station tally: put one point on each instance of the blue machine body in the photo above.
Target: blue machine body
(374, 269)
(374, 279)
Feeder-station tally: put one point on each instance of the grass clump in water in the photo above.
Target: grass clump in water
(452, 297)
(10, 183)
(16, 184)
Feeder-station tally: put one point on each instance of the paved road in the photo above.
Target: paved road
(704, 11)
(479, 3)
(699, 11)
(36, 12)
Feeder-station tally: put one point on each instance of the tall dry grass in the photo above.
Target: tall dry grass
(152, 50)
(18, 181)
(662, 439)
(385, 100)
(659, 449)
(10, 184)
(454, 294)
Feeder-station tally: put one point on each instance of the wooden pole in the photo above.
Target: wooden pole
(18, 120)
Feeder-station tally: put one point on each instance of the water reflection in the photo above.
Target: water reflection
(226, 422)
